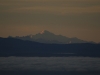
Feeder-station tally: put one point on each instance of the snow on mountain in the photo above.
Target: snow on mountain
(49, 37)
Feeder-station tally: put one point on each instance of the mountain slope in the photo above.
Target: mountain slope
(48, 37)
(17, 47)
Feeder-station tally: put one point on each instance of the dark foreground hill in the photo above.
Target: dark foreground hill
(17, 47)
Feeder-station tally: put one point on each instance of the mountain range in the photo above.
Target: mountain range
(46, 44)
(18, 47)
(49, 37)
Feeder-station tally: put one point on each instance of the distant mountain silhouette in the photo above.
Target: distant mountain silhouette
(48, 37)
(17, 47)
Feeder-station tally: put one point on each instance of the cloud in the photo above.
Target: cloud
(51, 6)
(59, 10)
(50, 63)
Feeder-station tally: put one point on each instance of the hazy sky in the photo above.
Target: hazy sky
(72, 18)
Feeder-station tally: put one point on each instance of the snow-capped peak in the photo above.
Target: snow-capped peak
(42, 31)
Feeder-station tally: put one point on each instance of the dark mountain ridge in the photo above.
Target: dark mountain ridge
(17, 47)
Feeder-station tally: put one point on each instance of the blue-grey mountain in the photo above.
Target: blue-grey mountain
(48, 37)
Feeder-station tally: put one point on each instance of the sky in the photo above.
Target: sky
(71, 18)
